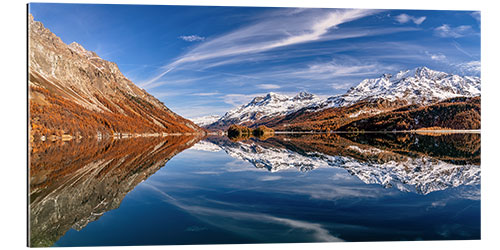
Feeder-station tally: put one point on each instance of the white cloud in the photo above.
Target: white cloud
(459, 48)
(476, 15)
(335, 69)
(279, 31)
(447, 31)
(419, 20)
(436, 57)
(270, 178)
(206, 94)
(323, 77)
(340, 86)
(179, 80)
(192, 38)
(469, 68)
(341, 67)
(404, 18)
(238, 99)
(268, 86)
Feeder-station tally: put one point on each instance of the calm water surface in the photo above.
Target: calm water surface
(308, 188)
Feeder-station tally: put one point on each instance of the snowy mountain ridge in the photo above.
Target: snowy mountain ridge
(421, 86)
(418, 86)
(268, 106)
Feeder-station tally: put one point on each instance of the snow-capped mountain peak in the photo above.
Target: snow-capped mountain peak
(269, 105)
(269, 98)
(304, 96)
(417, 86)
(420, 72)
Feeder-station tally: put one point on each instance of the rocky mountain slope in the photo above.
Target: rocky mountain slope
(74, 91)
(266, 107)
(418, 87)
(454, 113)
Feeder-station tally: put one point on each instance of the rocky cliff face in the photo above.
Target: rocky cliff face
(74, 91)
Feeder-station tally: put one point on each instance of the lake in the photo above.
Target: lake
(286, 188)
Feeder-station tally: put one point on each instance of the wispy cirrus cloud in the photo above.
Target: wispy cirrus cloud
(270, 178)
(476, 15)
(331, 69)
(268, 86)
(237, 99)
(469, 68)
(342, 67)
(436, 56)
(273, 33)
(206, 94)
(192, 38)
(404, 18)
(341, 86)
(446, 30)
(462, 50)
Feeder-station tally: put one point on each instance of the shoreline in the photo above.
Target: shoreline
(115, 136)
(118, 136)
(444, 131)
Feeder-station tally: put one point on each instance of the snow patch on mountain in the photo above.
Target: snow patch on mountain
(371, 112)
(205, 120)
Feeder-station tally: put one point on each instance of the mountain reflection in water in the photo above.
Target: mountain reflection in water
(410, 162)
(76, 183)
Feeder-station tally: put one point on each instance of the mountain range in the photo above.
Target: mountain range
(417, 88)
(73, 92)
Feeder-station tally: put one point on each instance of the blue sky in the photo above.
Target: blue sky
(206, 60)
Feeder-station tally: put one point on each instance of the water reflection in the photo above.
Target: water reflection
(293, 188)
(75, 183)
(410, 162)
